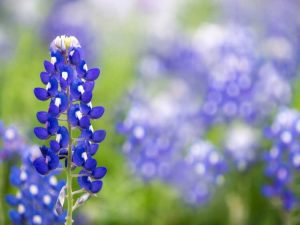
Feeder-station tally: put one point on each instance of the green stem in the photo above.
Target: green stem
(69, 219)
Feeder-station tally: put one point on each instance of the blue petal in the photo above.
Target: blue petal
(89, 86)
(59, 58)
(52, 126)
(12, 200)
(63, 83)
(54, 161)
(15, 217)
(77, 156)
(45, 77)
(54, 145)
(86, 134)
(41, 94)
(53, 109)
(87, 96)
(99, 136)
(96, 112)
(44, 150)
(99, 172)
(85, 108)
(64, 101)
(83, 181)
(80, 69)
(92, 74)
(64, 136)
(84, 122)
(93, 148)
(42, 116)
(75, 57)
(49, 67)
(15, 177)
(73, 120)
(90, 164)
(40, 165)
(74, 89)
(54, 86)
(41, 133)
(96, 186)
(69, 71)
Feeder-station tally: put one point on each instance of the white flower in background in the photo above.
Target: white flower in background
(241, 143)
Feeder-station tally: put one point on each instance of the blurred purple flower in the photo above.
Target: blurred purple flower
(159, 127)
(283, 159)
(278, 22)
(200, 171)
(12, 142)
(36, 197)
(239, 80)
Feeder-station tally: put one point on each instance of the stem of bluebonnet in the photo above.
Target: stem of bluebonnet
(69, 219)
(78, 192)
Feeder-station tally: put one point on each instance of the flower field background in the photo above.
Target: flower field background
(174, 152)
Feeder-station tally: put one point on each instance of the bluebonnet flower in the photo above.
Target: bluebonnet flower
(283, 159)
(225, 69)
(35, 200)
(200, 171)
(69, 86)
(157, 148)
(279, 40)
(151, 143)
(12, 142)
(178, 58)
(237, 76)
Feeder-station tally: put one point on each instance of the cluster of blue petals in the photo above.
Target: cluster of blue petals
(280, 42)
(283, 159)
(158, 148)
(228, 80)
(198, 174)
(35, 200)
(69, 86)
(240, 80)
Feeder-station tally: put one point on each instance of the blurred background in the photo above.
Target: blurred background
(201, 102)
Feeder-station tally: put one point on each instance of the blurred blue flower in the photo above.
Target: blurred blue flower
(36, 197)
(176, 57)
(239, 80)
(200, 171)
(12, 142)
(279, 33)
(69, 86)
(283, 159)
(160, 127)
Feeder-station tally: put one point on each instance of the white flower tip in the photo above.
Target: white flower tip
(63, 43)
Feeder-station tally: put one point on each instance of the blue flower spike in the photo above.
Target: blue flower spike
(69, 86)
(283, 159)
(36, 196)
